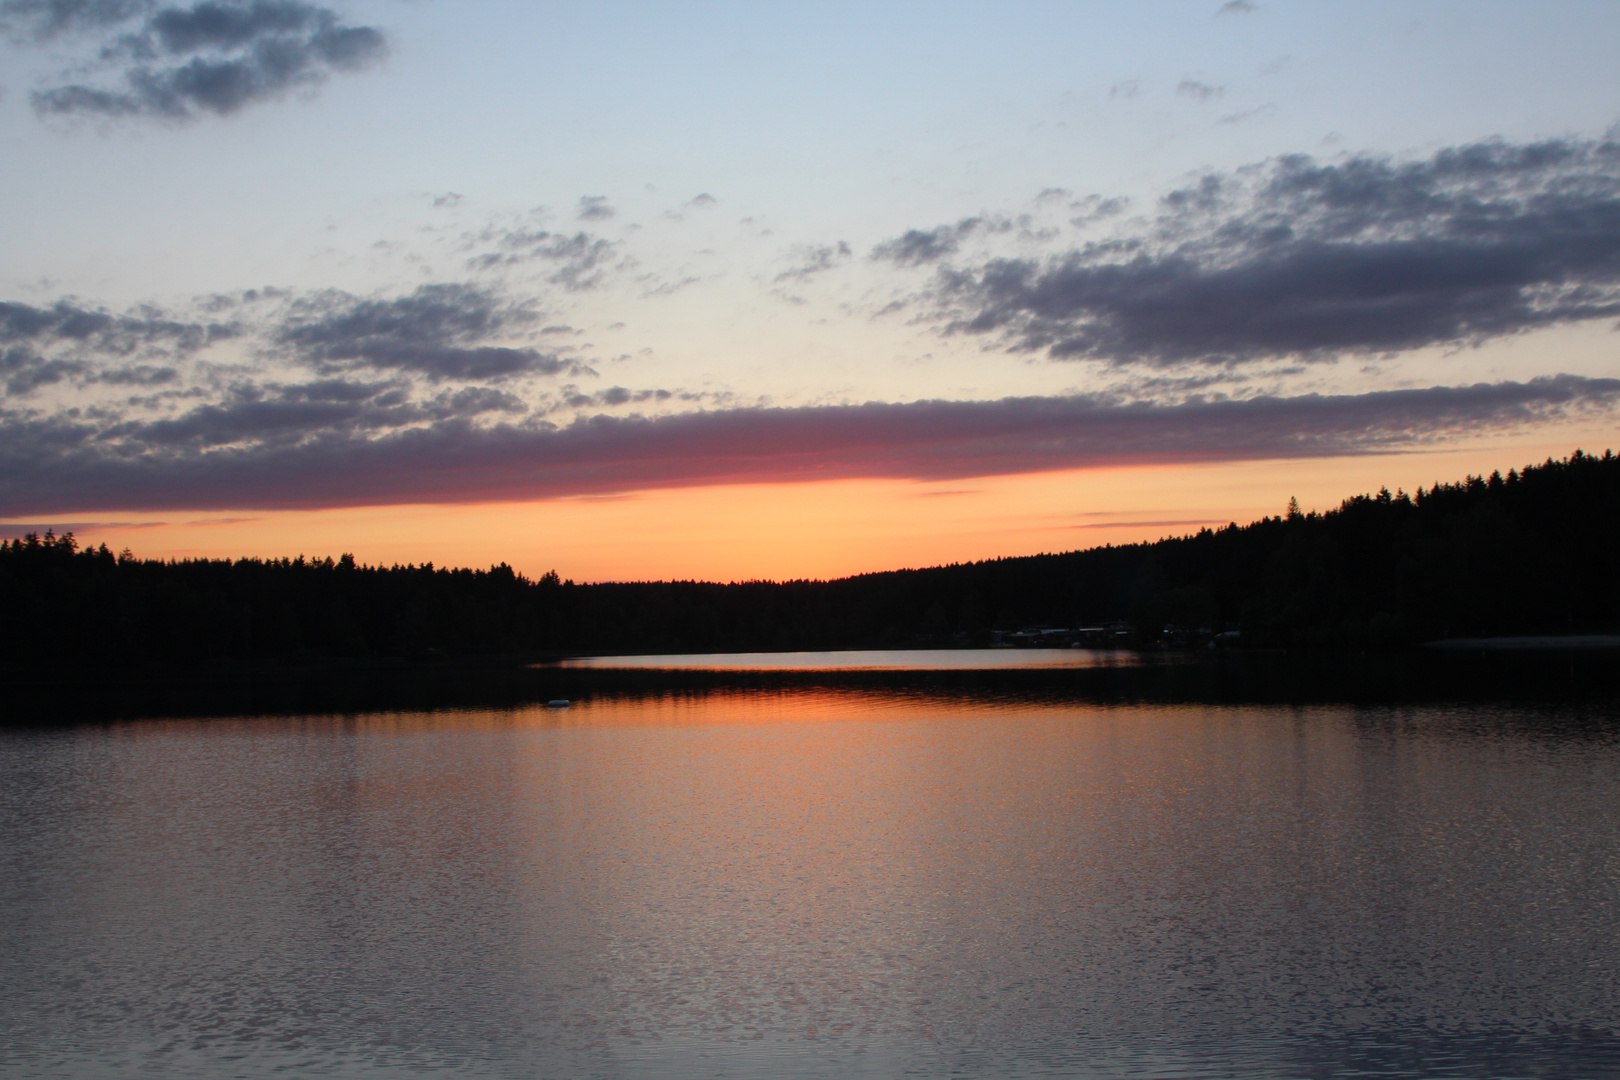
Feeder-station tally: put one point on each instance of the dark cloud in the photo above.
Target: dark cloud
(1247, 114)
(1095, 208)
(266, 417)
(25, 371)
(914, 247)
(473, 401)
(42, 346)
(703, 201)
(1238, 7)
(138, 375)
(814, 259)
(67, 322)
(315, 446)
(580, 259)
(618, 395)
(594, 208)
(177, 62)
(1199, 91)
(1314, 261)
(269, 416)
(440, 331)
(45, 20)
(917, 246)
(314, 366)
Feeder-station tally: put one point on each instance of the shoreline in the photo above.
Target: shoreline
(1548, 642)
(1466, 674)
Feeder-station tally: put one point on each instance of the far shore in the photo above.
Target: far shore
(1565, 641)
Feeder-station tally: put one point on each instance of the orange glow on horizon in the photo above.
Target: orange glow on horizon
(812, 530)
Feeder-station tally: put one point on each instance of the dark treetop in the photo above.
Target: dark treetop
(1527, 553)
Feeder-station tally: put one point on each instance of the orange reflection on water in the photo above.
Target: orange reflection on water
(1000, 659)
(846, 868)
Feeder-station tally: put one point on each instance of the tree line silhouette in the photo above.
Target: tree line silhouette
(1526, 553)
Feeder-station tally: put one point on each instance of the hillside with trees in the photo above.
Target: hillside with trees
(1531, 552)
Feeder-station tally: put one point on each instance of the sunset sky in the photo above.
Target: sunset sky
(732, 291)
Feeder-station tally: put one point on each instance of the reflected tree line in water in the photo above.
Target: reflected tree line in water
(1529, 552)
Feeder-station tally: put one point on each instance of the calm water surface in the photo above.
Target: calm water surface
(870, 660)
(815, 884)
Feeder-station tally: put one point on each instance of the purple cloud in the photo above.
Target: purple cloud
(66, 465)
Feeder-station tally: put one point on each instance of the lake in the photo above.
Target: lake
(817, 881)
(852, 660)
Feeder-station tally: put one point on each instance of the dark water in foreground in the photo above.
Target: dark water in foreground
(817, 882)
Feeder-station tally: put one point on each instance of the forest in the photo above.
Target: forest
(1531, 552)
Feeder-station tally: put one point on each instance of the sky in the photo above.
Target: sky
(741, 291)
